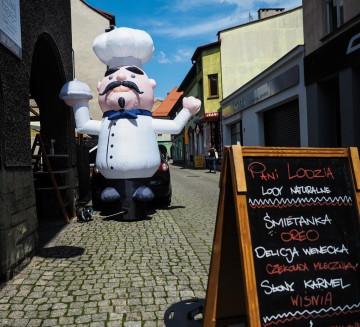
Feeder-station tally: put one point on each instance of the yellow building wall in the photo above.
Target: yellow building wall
(249, 49)
(211, 65)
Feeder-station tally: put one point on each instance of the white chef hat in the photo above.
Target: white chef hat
(124, 47)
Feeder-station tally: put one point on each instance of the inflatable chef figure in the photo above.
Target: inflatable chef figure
(127, 153)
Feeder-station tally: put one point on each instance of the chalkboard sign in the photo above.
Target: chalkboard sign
(293, 214)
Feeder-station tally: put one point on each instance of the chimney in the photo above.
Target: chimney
(267, 12)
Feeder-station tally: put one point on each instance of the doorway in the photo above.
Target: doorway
(50, 119)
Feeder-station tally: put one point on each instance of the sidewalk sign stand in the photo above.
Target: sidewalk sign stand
(286, 248)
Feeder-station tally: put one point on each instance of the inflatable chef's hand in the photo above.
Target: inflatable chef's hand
(127, 146)
(192, 104)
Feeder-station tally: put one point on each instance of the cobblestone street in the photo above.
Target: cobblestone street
(125, 274)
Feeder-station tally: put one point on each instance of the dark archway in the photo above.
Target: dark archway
(46, 80)
(55, 127)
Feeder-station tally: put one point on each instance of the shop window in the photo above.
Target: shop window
(236, 133)
(334, 14)
(213, 85)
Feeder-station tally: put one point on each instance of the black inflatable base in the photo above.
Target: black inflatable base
(134, 210)
(126, 208)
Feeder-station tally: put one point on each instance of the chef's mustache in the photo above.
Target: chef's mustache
(129, 84)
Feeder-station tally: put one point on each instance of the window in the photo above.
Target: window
(213, 85)
(236, 133)
(334, 14)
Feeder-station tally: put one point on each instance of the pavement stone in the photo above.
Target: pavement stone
(125, 274)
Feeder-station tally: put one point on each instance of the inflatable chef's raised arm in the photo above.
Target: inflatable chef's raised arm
(127, 148)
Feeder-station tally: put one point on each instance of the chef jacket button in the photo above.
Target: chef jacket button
(112, 134)
(111, 157)
(114, 124)
(112, 145)
(111, 167)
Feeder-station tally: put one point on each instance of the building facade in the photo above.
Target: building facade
(183, 144)
(222, 68)
(205, 128)
(332, 72)
(319, 100)
(36, 72)
(163, 111)
(271, 109)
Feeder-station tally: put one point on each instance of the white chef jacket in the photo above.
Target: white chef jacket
(128, 148)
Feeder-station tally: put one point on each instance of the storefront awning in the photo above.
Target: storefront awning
(208, 118)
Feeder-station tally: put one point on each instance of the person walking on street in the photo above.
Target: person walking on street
(212, 158)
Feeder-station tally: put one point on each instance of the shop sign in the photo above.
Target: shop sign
(345, 53)
(10, 29)
(211, 114)
(271, 87)
(199, 161)
(354, 44)
(255, 96)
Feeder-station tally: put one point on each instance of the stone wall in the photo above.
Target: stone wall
(18, 221)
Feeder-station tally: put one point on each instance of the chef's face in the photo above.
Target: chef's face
(126, 87)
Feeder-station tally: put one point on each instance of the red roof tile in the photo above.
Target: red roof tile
(169, 102)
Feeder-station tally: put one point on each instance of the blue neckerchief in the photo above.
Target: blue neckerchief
(124, 113)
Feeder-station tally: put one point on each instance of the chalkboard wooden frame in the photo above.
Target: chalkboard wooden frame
(232, 295)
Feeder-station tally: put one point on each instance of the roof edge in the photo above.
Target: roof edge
(205, 46)
(105, 14)
(259, 20)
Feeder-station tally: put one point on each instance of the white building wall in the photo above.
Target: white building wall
(87, 24)
(249, 49)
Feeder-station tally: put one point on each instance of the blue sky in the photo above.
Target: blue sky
(178, 27)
